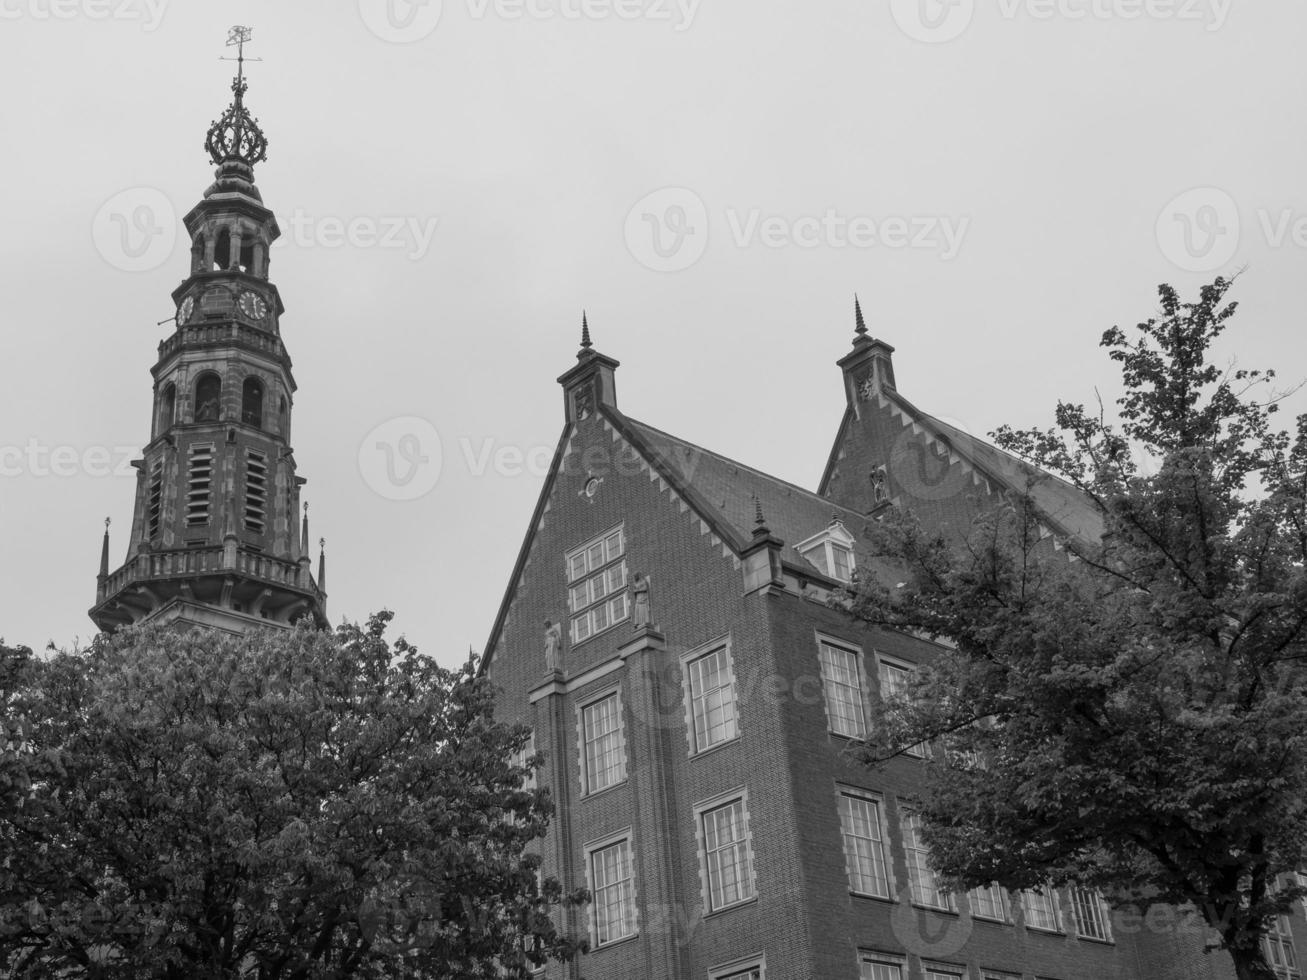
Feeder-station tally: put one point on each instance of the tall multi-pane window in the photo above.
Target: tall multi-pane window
(988, 903)
(925, 888)
(1091, 915)
(612, 882)
(596, 580)
(874, 967)
(1040, 910)
(864, 845)
(603, 743)
(894, 682)
(1277, 944)
(841, 678)
(942, 973)
(712, 699)
(728, 855)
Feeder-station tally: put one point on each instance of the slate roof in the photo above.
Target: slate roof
(1062, 504)
(727, 489)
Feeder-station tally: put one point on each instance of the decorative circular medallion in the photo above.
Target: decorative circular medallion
(185, 310)
(592, 486)
(252, 305)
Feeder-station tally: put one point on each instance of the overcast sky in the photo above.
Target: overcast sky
(713, 181)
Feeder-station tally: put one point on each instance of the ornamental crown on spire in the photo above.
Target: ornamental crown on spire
(235, 135)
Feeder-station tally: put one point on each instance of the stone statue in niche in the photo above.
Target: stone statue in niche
(640, 614)
(878, 491)
(208, 411)
(553, 647)
(585, 402)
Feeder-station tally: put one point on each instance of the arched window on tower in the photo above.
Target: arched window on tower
(167, 408)
(252, 402)
(208, 397)
(222, 253)
(197, 254)
(247, 257)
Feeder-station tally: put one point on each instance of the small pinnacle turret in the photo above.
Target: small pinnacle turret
(861, 324)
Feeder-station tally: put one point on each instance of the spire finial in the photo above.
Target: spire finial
(585, 331)
(304, 532)
(235, 136)
(861, 329)
(104, 550)
(760, 527)
(322, 564)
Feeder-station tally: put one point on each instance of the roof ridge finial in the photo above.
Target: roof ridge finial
(585, 331)
(759, 521)
(861, 328)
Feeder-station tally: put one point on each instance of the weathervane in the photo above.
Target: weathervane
(235, 135)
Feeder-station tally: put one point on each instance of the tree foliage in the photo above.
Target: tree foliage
(277, 805)
(1128, 712)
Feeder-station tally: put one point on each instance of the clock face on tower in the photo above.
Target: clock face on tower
(185, 310)
(252, 305)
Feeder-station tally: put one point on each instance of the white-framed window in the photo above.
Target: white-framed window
(999, 975)
(596, 585)
(710, 687)
(754, 968)
(989, 902)
(1277, 944)
(894, 679)
(603, 743)
(932, 971)
(831, 551)
(611, 869)
(925, 887)
(520, 760)
(727, 849)
(864, 844)
(882, 966)
(1093, 920)
(1040, 910)
(841, 680)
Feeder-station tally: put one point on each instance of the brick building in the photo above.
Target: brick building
(666, 636)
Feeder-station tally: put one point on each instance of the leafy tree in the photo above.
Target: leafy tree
(278, 805)
(1127, 712)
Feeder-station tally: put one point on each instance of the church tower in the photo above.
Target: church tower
(215, 539)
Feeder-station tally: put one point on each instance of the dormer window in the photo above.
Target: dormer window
(831, 551)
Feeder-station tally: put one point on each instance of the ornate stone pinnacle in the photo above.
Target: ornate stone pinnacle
(861, 329)
(585, 331)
